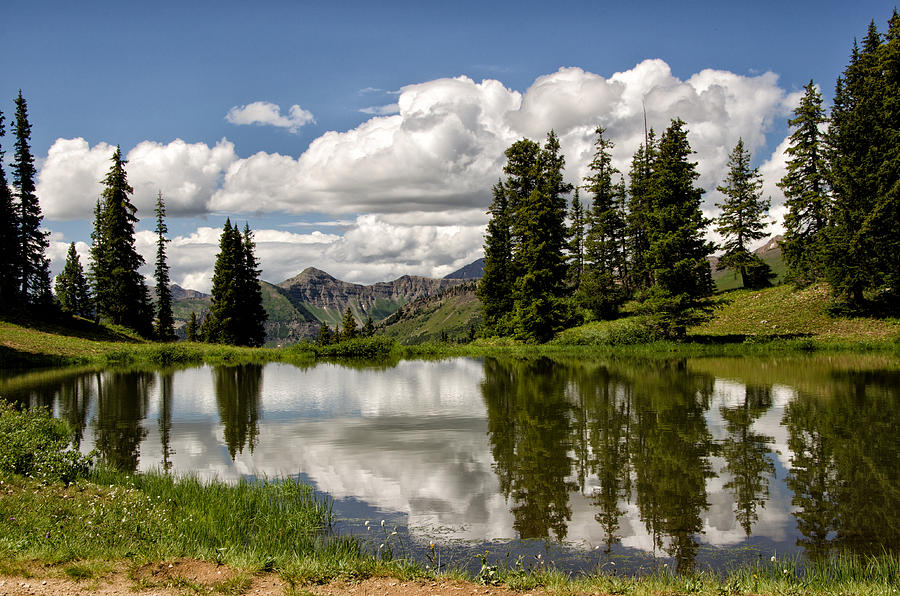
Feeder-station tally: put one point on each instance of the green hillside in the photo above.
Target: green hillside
(449, 314)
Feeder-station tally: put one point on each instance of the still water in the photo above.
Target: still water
(583, 462)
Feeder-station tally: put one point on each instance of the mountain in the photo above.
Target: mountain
(297, 306)
(474, 270)
(326, 298)
(448, 314)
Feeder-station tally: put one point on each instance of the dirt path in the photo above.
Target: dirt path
(199, 577)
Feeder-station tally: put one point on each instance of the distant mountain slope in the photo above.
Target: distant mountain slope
(327, 298)
(474, 270)
(449, 313)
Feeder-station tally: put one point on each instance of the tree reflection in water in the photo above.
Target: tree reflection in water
(121, 406)
(238, 395)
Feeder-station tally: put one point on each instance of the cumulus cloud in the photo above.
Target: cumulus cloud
(386, 110)
(269, 114)
(414, 179)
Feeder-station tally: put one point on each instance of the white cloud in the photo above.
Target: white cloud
(269, 114)
(385, 110)
(415, 183)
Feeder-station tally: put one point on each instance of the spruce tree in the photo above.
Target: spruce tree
(119, 290)
(677, 252)
(539, 235)
(602, 291)
(806, 192)
(743, 219)
(33, 267)
(221, 324)
(368, 329)
(576, 241)
(325, 336)
(349, 322)
(164, 328)
(253, 327)
(495, 286)
(71, 287)
(9, 235)
(857, 138)
(639, 211)
(192, 330)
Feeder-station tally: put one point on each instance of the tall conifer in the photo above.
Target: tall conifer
(743, 219)
(120, 292)
(639, 211)
(33, 266)
(71, 287)
(253, 330)
(806, 191)
(494, 288)
(164, 327)
(677, 251)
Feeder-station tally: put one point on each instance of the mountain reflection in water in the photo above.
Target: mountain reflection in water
(792, 454)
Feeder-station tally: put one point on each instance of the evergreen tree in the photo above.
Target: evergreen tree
(677, 252)
(862, 243)
(497, 279)
(602, 291)
(119, 290)
(165, 321)
(743, 219)
(221, 324)
(253, 328)
(192, 329)
(806, 192)
(639, 211)
(71, 287)
(539, 237)
(33, 273)
(236, 314)
(325, 336)
(9, 235)
(576, 241)
(368, 329)
(349, 322)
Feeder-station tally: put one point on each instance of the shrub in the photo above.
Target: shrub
(34, 444)
(369, 348)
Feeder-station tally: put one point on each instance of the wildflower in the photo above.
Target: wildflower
(382, 523)
(773, 558)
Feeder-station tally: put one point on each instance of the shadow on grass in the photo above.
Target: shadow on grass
(57, 322)
(740, 338)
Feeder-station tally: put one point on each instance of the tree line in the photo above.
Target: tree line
(550, 264)
(113, 289)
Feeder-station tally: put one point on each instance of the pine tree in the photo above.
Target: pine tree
(857, 138)
(349, 322)
(576, 241)
(325, 336)
(639, 211)
(33, 273)
(677, 252)
(539, 237)
(9, 235)
(368, 329)
(494, 289)
(743, 219)
(119, 290)
(602, 291)
(253, 328)
(221, 324)
(806, 192)
(192, 328)
(165, 321)
(71, 287)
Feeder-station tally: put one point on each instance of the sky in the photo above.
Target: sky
(363, 138)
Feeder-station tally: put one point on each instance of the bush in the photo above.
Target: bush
(620, 332)
(34, 444)
(369, 348)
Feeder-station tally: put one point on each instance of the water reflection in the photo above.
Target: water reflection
(653, 456)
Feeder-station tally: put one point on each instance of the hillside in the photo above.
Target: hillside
(297, 306)
(770, 253)
(449, 314)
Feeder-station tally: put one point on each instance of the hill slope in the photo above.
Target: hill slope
(449, 314)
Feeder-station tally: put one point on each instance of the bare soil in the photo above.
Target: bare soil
(200, 577)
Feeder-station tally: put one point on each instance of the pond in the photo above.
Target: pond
(582, 462)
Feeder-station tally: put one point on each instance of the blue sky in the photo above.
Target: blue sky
(352, 182)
